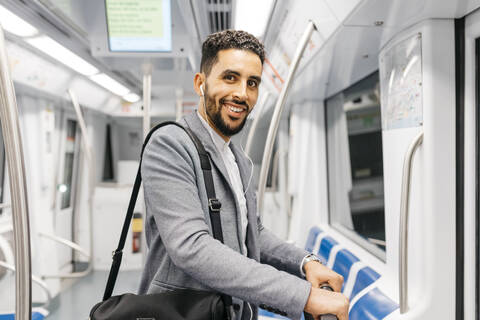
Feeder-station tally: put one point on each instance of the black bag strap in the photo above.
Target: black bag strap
(214, 207)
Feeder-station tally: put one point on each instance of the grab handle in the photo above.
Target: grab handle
(403, 233)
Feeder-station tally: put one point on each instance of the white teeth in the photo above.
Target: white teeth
(238, 110)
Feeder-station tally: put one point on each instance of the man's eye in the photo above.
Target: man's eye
(229, 77)
(252, 83)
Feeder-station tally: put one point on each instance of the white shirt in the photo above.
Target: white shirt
(233, 174)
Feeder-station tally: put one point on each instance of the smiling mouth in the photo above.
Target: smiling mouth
(234, 110)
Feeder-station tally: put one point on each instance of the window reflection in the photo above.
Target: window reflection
(355, 165)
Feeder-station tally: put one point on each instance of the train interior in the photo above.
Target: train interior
(374, 166)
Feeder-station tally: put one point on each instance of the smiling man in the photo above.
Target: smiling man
(252, 265)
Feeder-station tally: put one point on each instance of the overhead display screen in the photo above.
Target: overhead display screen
(139, 25)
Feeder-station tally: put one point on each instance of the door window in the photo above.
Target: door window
(68, 164)
(355, 165)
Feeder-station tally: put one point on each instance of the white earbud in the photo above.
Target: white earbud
(201, 89)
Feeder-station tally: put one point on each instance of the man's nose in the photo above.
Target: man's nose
(241, 92)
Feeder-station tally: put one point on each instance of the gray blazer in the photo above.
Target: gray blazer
(182, 251)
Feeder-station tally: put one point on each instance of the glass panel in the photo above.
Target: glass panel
(66, 186)
(355, 165)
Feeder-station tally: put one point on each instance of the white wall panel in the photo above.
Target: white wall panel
(341, 8)
(431, 230)
(31, 70)
(355, 56)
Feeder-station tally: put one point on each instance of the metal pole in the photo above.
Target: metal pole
(147, 100)
(403, 234)
(272, 131)
(147, 97)
(18, 187)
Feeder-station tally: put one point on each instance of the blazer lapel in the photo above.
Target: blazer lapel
(246, 167)
(204, 136)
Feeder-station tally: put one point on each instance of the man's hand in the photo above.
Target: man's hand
(322, 302)
(317, 274)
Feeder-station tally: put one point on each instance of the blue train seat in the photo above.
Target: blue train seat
(312, 236)
(343, 262)
(374, 305)
(11, 316)
(365, 277)
(326, 246)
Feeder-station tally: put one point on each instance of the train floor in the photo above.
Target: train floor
(75, 302)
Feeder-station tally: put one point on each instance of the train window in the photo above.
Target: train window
(68, 164)
(108, 160)
(355, 165)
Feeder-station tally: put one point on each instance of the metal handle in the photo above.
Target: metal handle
(75, 247)
(18, 187)
(272, 130)
(403, 234)
(35, 279)
(66, 242)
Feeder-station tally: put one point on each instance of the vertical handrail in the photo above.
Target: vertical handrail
(18, 187)
(147, 101)
(147, 97)
(272, 130)
(403, 233)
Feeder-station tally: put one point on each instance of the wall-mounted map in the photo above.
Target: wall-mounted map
(401, 84)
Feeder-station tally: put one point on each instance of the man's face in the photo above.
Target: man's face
(231, 90)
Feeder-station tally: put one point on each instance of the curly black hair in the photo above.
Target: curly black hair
(228, 39)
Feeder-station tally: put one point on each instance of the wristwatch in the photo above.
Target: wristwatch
(308, 258)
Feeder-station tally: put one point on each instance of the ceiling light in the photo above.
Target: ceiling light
(13, 24)
(131, 97)
(252, 21)
(62, 54)
(110, 84)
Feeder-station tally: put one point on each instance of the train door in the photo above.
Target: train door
(65, 201)
(471, 239)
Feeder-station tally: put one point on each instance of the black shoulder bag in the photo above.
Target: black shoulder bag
(182, 304)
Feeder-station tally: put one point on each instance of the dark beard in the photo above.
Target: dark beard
(216, 116)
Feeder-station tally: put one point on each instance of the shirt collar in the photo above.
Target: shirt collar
(217, 139)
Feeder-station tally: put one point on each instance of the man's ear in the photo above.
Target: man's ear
(198, 82)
